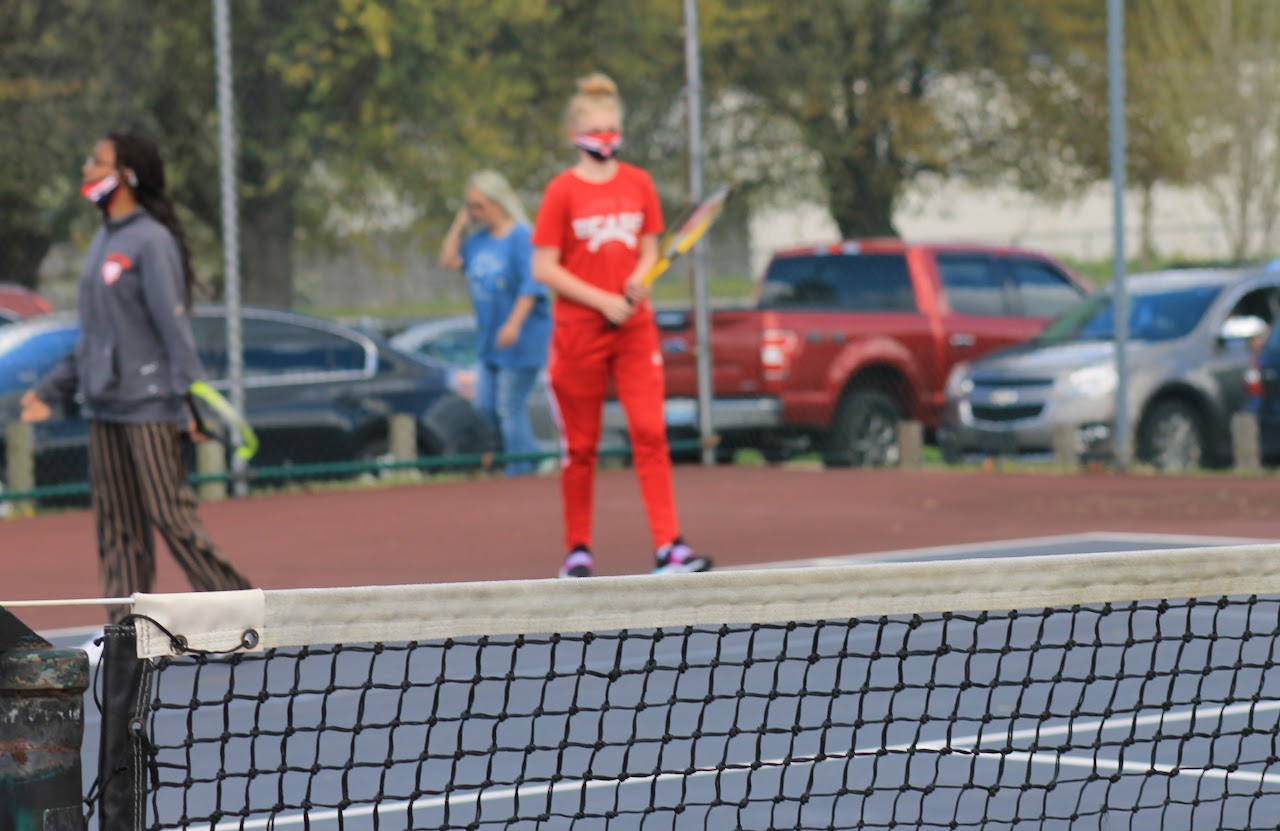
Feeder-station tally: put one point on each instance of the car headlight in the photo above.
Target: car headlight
(1093, 381)
(959, 384)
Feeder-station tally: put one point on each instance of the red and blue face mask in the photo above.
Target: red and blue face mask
(600, 145)
(100, 191)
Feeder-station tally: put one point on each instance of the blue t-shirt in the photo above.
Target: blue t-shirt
(499, 272)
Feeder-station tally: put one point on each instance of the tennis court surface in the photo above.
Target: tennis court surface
(1048, 683)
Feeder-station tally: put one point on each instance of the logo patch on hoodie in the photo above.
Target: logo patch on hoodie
(113, 266)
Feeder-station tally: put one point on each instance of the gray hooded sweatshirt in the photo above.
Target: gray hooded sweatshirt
(136, 356)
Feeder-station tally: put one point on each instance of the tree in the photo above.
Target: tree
(1221, 89)
(878, 92)
(337, 102)
(345, 107)
(350, 111)
(1059, 117)
(48, 94)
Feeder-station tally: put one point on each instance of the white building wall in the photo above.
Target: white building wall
(1082, 229)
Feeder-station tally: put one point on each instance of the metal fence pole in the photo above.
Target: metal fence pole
(230, 224)
(1115, 89)
(701, 302)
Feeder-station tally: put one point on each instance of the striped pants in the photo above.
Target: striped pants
(138, 485)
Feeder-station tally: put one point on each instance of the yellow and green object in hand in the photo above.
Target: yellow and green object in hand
(217, 419)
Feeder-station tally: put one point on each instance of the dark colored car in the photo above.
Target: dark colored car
(315, 391)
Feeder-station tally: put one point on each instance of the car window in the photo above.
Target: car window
(24, 361)
(851, 282)
(458, 347)
(1262, 303)
(1043, 290)
(211, 344)
(972, 285)
(1170, 315)
(1153, 316)
(276, 347)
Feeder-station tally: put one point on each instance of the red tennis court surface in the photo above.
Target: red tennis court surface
(495, 529)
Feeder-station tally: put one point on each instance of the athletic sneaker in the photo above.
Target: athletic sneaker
(578, 563)
(678, 558)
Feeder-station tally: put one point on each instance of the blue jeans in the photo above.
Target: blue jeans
(502, 394)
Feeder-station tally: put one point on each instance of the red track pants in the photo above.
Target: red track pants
(585, 356)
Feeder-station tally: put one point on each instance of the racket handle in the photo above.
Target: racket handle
(659, 268)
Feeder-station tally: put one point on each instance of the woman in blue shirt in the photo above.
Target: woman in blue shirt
(489, 241)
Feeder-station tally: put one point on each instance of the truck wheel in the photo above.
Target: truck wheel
(777, 455)
(865, 433)
(952, 453)
(1172, 437)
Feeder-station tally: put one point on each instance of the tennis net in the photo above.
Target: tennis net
(1129, 690)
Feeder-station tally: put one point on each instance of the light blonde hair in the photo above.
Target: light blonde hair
(594, 91)
(498, 190)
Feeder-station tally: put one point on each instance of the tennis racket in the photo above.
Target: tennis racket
(217, 419)
(686, 233)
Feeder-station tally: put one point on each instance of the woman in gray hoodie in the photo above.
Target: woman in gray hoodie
(133, 365)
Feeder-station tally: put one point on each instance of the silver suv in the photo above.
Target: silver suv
(1186, 358)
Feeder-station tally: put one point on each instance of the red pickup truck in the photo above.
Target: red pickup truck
(846, 340)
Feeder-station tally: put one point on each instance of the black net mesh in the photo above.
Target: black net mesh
(1135, 715)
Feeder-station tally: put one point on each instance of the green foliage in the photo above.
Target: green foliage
(723, 290)
(880, 92)
(358, 116)
(48, 93)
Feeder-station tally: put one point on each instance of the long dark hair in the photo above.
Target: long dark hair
(140, 154)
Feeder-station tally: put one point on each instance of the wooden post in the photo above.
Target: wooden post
(911, 444)
(20, 463)
(211, 460)
(402, 441)
(1064, 446)
(1245, 445)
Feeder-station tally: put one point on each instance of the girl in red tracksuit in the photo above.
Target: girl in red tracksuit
(595, 237)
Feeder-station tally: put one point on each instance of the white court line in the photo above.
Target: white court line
(969, 745)
(980, 550)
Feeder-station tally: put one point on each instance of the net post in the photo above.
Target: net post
(123, 740)
(41, 730)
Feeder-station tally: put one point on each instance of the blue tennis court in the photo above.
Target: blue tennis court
(1109, 715)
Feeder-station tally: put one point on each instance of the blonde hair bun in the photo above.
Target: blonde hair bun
(594, 91)
(597, 83)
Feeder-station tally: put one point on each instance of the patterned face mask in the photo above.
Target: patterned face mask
(601, 145)
(100, 191)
